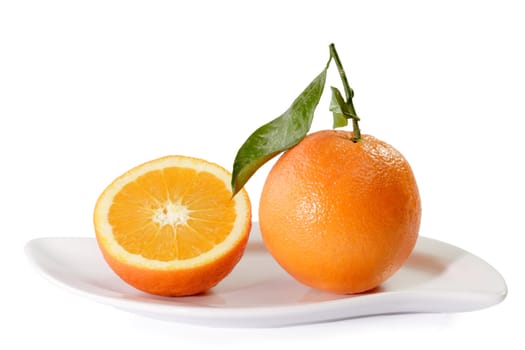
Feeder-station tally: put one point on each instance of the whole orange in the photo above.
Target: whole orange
(339, 215)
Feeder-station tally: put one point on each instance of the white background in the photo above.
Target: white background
(89, 89)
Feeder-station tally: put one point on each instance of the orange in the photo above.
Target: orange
(338, 215)
(171, 227)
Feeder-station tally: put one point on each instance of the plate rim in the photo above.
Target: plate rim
(283, 315)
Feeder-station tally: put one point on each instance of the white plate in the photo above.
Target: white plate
(437, 277)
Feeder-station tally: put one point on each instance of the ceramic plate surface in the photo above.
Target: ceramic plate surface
(438, 277)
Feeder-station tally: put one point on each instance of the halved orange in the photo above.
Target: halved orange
(171, 226)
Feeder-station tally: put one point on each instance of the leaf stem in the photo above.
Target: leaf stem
(348, 92)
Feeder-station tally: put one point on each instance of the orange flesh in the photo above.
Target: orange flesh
(186, 216)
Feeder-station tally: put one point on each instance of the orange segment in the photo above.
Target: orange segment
(172, 214)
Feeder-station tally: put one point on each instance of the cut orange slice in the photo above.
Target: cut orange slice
(171, 227)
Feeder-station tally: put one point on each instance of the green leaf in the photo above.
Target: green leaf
(342, 110)
(338, 108)
(278, 135)
(339, 120)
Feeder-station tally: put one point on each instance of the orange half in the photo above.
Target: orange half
(171, 227)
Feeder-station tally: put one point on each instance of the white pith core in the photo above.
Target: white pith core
(171, 214)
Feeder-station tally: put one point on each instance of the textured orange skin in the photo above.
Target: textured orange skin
(179, 282)
(340, 216)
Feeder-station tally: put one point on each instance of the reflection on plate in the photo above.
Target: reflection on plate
(437, 277)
